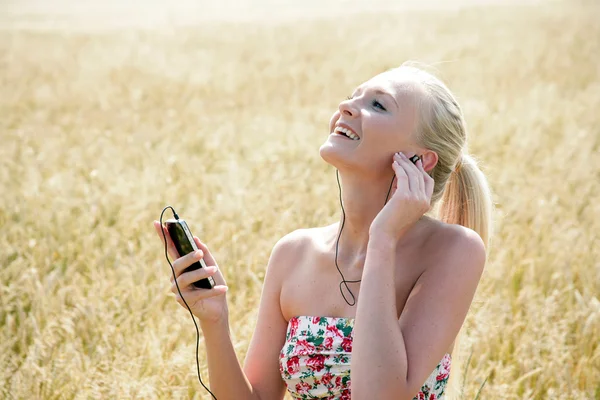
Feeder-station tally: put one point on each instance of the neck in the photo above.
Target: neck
(362, 198)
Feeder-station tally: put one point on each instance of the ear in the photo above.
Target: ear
(429, 159)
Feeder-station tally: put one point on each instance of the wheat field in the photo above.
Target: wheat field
(109, 114)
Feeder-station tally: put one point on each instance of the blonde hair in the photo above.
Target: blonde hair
(459, 183)
(460, 187)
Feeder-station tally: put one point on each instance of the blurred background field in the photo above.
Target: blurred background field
(108, 112)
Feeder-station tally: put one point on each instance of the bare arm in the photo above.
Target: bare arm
(392, 358)
(262, 360)
(227, 381)
(260, 378)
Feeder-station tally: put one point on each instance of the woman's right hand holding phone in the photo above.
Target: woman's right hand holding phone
(209, 305)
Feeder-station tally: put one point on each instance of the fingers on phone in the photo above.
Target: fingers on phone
(193, 296)
(186, 279)
(199, 243)
(196, 295)
(209, 259)
(183, 262)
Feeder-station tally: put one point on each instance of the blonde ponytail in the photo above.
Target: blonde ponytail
(467, 199)
(460, 187)
(461, 194)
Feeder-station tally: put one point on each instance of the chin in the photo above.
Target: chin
(342, 157)
(334, 154)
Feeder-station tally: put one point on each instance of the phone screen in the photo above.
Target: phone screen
(183, 246)
(179, 238)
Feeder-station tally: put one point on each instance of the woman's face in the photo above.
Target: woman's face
(380, 117)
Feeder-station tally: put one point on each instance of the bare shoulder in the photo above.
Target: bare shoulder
(298, 240)
(455, 246)
(297, 244)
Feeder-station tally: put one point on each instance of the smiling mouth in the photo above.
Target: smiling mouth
(346, 132)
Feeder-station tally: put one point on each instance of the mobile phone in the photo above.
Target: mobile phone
(184, 243)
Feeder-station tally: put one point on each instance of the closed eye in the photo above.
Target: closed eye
(377, 104)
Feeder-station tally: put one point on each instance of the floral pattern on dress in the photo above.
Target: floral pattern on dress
(314, 361)
(435, 385)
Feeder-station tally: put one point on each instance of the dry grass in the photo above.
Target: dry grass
(101, 129)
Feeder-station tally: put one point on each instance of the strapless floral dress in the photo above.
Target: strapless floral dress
(315, 361)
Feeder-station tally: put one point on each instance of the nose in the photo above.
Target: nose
(348, 109)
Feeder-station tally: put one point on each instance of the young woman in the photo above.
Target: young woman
(369, 306)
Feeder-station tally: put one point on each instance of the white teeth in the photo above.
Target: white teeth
(348, 132)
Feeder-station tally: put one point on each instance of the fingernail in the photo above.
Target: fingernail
(197, 254)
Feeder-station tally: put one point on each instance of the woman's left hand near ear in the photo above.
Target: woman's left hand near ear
(410, 199)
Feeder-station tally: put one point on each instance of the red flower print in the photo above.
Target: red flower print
(316, 362)
(302, 387)
(326, 378)
(293, 365)
(347, 345)
(304, 348)
(312, 344)
(441, 376)
(444, 369)
(334, 330)
(293, 326)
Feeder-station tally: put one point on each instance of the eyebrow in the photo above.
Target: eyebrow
(379, 91)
